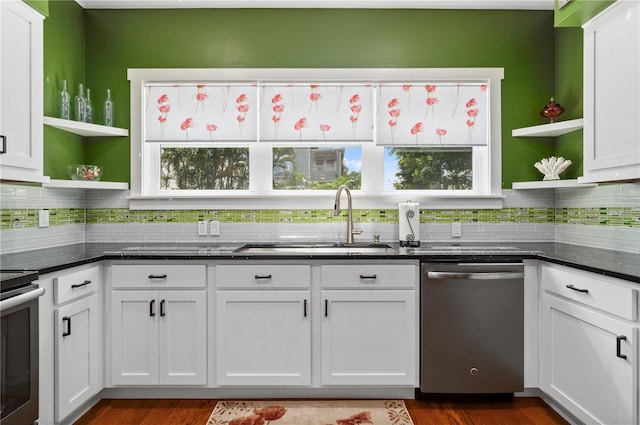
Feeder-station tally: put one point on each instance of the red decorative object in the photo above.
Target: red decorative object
(552, 110)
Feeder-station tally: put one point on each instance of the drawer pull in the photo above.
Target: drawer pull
(79, 285)
(157, 276)
(368, 276)
(152, 312)
(66, 320)
(573, 288)
(262, 277)
(619, 340)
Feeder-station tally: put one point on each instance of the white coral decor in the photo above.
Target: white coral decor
(552, 167)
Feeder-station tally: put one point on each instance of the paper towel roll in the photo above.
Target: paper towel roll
(409, 223)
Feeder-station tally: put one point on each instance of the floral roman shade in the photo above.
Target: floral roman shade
(405, 114)
(201, 113)
(432, 113)
(316, 112)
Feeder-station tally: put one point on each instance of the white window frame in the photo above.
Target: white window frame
(487, 161)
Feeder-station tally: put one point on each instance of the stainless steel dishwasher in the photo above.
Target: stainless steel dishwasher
(472, 328)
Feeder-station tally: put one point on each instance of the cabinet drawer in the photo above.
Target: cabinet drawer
(159, 276)
(368, 276)
(591, 289)
(75, 284)
(263, 276)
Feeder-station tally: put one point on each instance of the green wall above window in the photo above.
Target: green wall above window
(523, 42)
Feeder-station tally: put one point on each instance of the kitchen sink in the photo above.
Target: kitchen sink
(318, 249)
(171, 250)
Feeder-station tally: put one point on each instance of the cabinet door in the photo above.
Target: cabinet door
(182, 341)
(134, 337)
(368, 338)
(263, 338)
(21, 58)
(612, 94)
(581, 364)
(78, 366)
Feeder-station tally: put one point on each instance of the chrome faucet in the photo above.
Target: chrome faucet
(336, 211)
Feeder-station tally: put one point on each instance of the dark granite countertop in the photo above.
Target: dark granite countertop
(11, 279)
(619, 264)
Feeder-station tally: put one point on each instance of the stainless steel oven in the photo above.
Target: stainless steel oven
(19, 348)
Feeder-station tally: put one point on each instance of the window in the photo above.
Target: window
(287, 138)
(316, 168)
(185, 168)
(428, 168)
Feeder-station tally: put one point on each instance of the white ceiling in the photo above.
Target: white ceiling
(350, 4)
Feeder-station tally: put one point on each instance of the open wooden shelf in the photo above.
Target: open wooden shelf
(549, 130)
(85, 129)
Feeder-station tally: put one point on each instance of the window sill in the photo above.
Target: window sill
(323, 200)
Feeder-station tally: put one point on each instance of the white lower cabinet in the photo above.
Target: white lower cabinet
(589, 352)
(71, 341)
(263, 338)
(317, 324)
(369, 323)
(263, 324)
(368, 337)
(158, 337)
(78, 343)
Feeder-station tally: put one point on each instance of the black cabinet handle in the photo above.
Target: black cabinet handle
(4, 144)
(370, 276)
(619, 340)
(305, 308)
(66, 320)
(157, 276)
(162, 312)
(265, 276)
(80, 285)
(152, 313)
(584, 291)
(326, 308)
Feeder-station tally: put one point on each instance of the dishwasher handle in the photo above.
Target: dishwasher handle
(476, 275)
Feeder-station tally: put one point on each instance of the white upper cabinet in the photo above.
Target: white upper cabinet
(612, 94)
(21, 92)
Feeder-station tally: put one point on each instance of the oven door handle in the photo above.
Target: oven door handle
(22, 298)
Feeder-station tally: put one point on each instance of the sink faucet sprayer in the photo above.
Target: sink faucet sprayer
(336, 211)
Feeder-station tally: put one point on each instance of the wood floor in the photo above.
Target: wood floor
(516, 411)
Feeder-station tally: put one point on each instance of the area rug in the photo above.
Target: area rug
(311, 412)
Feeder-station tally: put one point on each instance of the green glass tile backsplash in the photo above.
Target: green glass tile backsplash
(599, 216)
(28, 217)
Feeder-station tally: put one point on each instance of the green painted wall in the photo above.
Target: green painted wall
(569, 92)
(523, 42)
(63, 60)
(577, 12)
(41, 6)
